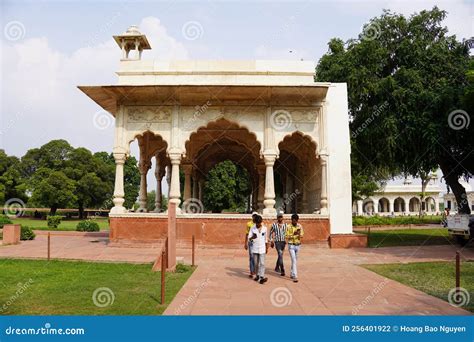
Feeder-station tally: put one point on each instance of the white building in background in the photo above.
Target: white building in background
(450, 200)
(402, 199)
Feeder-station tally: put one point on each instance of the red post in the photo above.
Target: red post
(163, 273)
(194, 248)
(49, 246)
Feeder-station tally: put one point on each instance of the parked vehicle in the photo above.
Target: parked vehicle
(461, 227)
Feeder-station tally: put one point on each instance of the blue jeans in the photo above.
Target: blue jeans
(280, 247)
(294, 249)
(251, 261)
(259, 261)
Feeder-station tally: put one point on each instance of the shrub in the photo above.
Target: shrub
(4, 219)
(27, 233)
(87, 226)
(397, 220)
(54, 221)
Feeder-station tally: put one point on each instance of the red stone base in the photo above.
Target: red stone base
(348, 241)
(207, 230)
(11, 234)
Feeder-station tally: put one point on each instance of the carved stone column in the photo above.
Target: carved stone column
(360, 210)
(175, 192)
(188, 169)
(324, 191)
(119, 192)
(143, 166)
(159, 174)
(195, 193)
(269, 197)
(261, 188)
(168, 179)
(200, 189)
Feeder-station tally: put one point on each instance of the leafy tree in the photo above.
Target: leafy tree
(12, 184)
(55, 191)
(131, 177)
(52, 155)
(227, 187)
(151, 201)
(405, 76)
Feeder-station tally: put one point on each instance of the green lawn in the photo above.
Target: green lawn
(407, 237)
(67, 287)
(434, 278)
(65, 224)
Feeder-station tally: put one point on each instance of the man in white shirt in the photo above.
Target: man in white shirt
(259, 237)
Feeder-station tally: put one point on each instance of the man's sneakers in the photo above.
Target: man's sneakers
(282, 273)
(257, 278)
(295, 280)
(263, 280)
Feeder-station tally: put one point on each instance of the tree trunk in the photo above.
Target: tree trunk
(81, 211)
(425, 178)
(52, 212)
(457, 189)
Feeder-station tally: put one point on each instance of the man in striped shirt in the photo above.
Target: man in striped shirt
(277, 240)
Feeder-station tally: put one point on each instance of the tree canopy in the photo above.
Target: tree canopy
(227, 187)
(57, 175)
(409, 98)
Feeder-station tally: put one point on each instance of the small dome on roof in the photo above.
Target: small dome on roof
(133, 30)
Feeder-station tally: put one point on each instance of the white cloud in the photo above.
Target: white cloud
(40, 99)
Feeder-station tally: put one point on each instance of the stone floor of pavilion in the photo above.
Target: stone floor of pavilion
(331, 280)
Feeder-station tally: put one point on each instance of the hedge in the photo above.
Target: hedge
(397, 220)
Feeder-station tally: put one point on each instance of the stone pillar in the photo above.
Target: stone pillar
(195, 187)
(188, 169)
(360, 209)
(175, 191)
(168, 179)
(287, 192)
(376, 205)
(324, 191)
(144, 166)
(200, 189)
(407, 206)
(391, 206)
(159, 174)
(261, 188)
(269, 197)
(119, 192)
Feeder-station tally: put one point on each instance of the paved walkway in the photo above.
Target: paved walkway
(331, 282)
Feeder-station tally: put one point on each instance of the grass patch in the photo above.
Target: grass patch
(407, 237)
(40, 224)
(433, 278)
(66, 287)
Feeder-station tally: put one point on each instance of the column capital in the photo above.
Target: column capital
(119, 158)
(187, 169)
(144, 166)
(269, 157)
(175, 158)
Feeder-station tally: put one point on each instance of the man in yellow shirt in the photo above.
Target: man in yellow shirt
(248, 244)
(294, 234)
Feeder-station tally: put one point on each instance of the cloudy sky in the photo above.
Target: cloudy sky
(50, 47)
